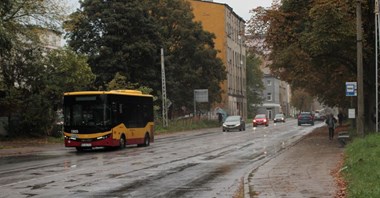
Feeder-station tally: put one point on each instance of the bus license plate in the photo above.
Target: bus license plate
(86, 145)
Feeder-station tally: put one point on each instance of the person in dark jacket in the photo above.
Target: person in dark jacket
(331, 123)
(340, 118)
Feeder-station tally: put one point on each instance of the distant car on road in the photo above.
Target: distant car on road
(260, 119)
(305, 118)
(319, 117)
(279, 118)
(234, 123)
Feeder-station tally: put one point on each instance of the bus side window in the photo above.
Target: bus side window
(132, 115)
(147, 114)
(114, 107)
(121, 108)
(114, 113)
(123, 116)
(140, 116)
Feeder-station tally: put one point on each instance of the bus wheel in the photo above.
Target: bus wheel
(146, 140)
(122, 142)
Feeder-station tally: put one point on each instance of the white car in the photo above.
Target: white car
(234, 123)
(279, 118)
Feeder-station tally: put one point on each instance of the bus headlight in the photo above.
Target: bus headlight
(103, 137)
(70, 138)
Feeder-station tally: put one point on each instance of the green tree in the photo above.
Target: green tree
(126, 37)
(5, 43)
(255, 84)
(23, 64)
(121, 82)
(301, 100)
(17, 16)
(312, 46)
(65, 67)
(36, 93)
(118, 36)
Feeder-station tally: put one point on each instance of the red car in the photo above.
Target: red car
(260, 119)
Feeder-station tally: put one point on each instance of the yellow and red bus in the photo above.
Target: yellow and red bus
(107, 119)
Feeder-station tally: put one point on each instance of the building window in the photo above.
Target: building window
(269, 96)
(269, 82)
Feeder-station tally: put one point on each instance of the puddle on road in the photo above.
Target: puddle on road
(39, 186)
(121, 191)
(199, 183)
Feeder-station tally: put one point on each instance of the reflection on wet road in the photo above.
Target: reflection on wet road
(208, 163)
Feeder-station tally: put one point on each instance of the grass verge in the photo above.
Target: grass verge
(361, 167)
(185, 125)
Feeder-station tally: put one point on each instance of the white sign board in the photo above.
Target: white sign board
(351, 113)
(201, 95)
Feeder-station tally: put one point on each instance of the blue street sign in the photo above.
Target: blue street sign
(351, 89)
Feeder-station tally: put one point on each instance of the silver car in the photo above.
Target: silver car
(234, 123)
(279, 118)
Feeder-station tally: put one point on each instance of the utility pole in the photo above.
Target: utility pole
(164, 103)
(377, 31)
(359, 43)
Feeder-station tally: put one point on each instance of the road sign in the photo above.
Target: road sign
(351, 89)
(201, 95)
(351, 113)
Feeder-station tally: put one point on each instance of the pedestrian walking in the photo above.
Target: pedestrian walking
(220, 118)
(331, 122)
(340, 118)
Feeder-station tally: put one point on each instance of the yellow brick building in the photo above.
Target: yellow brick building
(228, 28)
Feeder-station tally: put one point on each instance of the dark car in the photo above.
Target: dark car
(305, 118)
(279, 118)
(234, 123)
(260, 119)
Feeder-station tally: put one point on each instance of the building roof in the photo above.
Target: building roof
(224, 4)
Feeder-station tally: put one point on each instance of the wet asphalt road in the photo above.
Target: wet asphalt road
(208, 163)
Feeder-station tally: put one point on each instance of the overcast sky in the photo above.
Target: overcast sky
(240, 7)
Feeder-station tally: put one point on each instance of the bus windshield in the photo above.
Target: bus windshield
(86, 111)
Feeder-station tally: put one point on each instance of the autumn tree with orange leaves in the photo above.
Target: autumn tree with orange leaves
(312, 45)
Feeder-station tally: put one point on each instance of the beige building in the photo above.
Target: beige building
(229, 29)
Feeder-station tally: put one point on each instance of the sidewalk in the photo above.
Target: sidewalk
(29, 150)
(304, 170)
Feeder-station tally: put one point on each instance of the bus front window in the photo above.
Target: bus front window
(85, 114)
